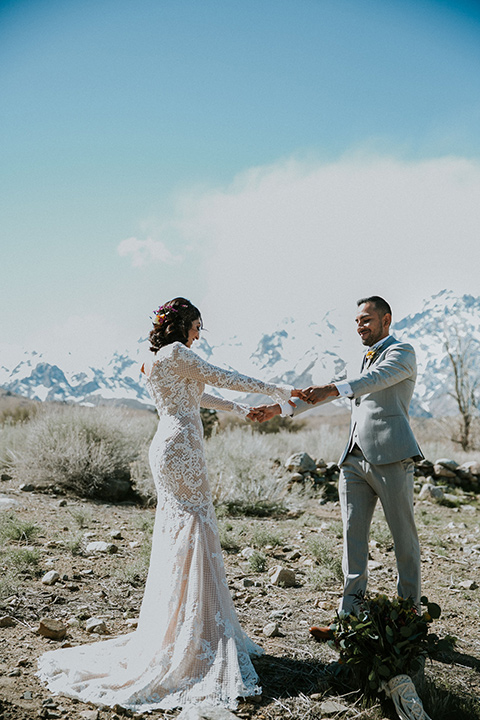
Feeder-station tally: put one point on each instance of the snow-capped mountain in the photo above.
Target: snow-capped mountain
(296, 352)
(443, 318)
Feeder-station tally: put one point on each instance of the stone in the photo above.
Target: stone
(297, 477)
(96, 625)
(27, 487)
(131, 622)
(294, 555)
(62, 503)
(5, 477)
(283, 577)
(15, 673)
(301, 463)
(27, 695)
(100, 546)
(442, 471)
(247, 552)
(116, 534)
(445, 462)
(50, 577)
(468, 585)
(6, 502)
(51, 628)
(473, 466)
(271, 630)
(204, 711)
(430, 492)
(7, 621)
(333, 707)
(89, 715)
(374, 565)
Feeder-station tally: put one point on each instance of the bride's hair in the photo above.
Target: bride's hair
(172, 322)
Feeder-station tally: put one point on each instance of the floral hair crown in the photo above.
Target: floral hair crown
(161, 315)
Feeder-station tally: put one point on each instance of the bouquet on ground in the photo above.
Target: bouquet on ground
(385, 644)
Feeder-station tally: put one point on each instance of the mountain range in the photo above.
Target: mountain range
(296, 352)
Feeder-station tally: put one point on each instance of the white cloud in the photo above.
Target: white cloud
(299, 238)
(145, 251)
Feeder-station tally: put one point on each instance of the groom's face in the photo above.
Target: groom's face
(371, 325)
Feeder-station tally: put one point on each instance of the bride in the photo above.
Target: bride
(188, 647)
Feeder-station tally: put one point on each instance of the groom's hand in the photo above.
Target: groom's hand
(316, 393)
(262, 413)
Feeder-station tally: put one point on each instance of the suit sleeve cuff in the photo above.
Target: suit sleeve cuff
(344, 389)
(287, 409)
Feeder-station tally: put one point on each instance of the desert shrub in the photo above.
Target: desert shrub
(257, 562)
(262, 536)
(327, 553)
(12, 438)
(84, 450)
(17, 530)
(242, 471)
(278, 423)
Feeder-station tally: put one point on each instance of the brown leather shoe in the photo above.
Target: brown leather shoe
(321, 634)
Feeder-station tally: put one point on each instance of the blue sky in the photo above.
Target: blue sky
(263, 158)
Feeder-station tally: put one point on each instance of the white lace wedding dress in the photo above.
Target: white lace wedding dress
(188, 647)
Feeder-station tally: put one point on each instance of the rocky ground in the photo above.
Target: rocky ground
(43, 533)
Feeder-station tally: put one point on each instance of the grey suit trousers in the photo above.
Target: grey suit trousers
(360, 486)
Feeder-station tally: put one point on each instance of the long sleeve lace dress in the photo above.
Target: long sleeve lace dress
(188, 646)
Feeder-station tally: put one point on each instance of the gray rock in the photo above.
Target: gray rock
(27, 487)
(445, 462)
(53, 629)
(297, 477)
(50, 577)
(283, 577)
(301, 463)
(247, 552)
(89, 715)
(6, 502)
(99, 546)
(468, 585)
(5, 477)
(442, 471)
(472, 466)
(203, 711)
(96, 625)
(333, 707)
(116, 534)
(7, 621)
(271, 630)
(430, 492)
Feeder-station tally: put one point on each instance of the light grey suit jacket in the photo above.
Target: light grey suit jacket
(380, 405)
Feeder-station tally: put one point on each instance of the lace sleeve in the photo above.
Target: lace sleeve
(189, 364)
(215, 403)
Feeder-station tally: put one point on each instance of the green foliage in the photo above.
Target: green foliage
(386, 638)
(327, 553)
(257, 562)
(18, 530)
(20, 559)
(263, 536)
(209, 421)
(81, 516)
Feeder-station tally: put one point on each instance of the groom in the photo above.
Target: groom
(378, 459)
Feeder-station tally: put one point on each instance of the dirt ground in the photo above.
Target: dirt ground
(292, 671)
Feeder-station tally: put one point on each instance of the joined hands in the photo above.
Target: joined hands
(311, 395)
